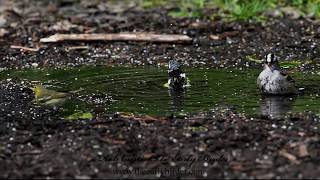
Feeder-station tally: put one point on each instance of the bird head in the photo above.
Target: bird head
(38, 90)
(271, 62)
(174, 69)
(173, 65)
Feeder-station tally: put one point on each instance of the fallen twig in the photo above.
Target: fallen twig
(76, 48)
(145, 118)
(289, 156)
(224, 35)
(148, 37)
(24, 48)
(112, 141)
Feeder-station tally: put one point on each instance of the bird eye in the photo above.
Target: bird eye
(272, 57)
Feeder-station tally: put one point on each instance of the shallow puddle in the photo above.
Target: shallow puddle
(141, 90)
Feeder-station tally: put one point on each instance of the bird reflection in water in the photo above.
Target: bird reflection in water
(276, 107)
(176, 99)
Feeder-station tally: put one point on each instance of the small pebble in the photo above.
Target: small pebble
(35, 65)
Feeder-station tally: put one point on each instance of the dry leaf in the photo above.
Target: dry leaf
(224, 35)
(289, 156)
(303, 150)
(214, 37)
(3, 32)
(148, 155)
(112, 141)
(236, 166)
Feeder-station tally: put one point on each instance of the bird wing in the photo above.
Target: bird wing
(261, 81)
(287, 77)
(291, 88)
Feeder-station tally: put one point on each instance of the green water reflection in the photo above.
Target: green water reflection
(141, 90)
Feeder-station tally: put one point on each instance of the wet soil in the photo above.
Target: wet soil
(26, 22)
(36, 142)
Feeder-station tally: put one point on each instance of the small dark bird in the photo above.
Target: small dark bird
(177, 79)
(272, 80)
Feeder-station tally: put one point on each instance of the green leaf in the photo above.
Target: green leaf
(179, 14)
(199, 129)
(253, 59)
(290, 64)
(79, 115)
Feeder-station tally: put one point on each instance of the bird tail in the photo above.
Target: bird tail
(301, 90)
(76, 91)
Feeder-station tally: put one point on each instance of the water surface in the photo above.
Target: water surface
(141, 90)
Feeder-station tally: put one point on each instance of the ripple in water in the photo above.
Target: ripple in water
(141, 90)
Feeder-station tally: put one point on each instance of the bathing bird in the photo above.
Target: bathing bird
(49, 97)
(177, 79)
(272, 80)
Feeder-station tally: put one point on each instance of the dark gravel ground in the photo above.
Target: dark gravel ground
(28, 21)
(36, 143)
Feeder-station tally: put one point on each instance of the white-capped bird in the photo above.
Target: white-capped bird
(273, 81)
